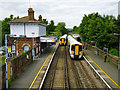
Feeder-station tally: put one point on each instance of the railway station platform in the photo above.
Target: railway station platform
(108, 71)
(24, 80)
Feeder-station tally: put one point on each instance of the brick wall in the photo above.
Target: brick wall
(20, 42)
(18, 64)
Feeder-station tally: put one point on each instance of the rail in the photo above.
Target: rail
(53, 74)
(67, 85)
(98, 74)
(42, 82)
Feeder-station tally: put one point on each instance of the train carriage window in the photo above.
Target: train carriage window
(26, 48)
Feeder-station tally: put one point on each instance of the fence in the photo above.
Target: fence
(112, 58)
(17, 64)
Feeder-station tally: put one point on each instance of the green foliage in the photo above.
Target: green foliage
(6, 27)
(50, 27)
(12, 57)
(10, 81)
(60, 29)
(23, 70)
(114, 52)
(45, 21)
(3, 59)
(23, 53)
(100, 29)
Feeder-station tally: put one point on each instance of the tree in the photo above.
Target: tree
(6, 27)
(100, 29)
(50, 27)
(45, 21)
(60, 29)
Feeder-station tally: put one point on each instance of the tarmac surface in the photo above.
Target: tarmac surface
(25, 79)
(108, 68)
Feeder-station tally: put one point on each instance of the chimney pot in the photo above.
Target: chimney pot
(40, 18)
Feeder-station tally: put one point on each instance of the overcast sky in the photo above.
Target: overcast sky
(69, 11)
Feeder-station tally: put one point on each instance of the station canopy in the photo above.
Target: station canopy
(75, 35)
(49, 39)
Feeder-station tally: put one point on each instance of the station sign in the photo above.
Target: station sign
(9, 54)
(9, 49)
(92, 41)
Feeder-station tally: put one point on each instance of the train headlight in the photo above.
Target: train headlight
(80, 52)
(72, 52)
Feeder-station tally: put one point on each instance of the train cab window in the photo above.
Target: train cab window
(73, 48)
(80, 48)
(62, 39)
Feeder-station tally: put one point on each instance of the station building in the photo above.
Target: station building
(26, 30)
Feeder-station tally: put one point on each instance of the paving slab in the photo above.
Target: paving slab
(25, 78)
(108, 68)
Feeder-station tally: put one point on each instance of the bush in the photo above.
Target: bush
(12, 57)
(114, 52)
(3, 59)
(23, 53)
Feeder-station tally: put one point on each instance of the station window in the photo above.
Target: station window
(26, 48)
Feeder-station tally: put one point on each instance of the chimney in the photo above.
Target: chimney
(40, 18)
(31, 14)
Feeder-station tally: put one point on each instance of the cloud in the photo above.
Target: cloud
(68, 11)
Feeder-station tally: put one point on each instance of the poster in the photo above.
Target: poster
(20, 50)
(8, 71)
(9, 49)
(9, 54)
(13, 48)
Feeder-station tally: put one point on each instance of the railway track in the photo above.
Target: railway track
(57, 75)
(65, 73)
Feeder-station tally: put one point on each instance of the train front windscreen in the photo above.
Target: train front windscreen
(76, 49)
(62, 40)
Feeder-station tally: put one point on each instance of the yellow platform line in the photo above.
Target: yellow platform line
(39, 71)
(103, 71)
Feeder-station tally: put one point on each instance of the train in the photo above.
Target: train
(63, 40)
(75, 48)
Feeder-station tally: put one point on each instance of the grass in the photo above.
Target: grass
(3, 59)
(10, 81)
(23, 70)
(12, 57)
(109, 62)
(16, 76)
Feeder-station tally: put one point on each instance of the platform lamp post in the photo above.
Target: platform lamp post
(7, 57)
(33, 46)
(116, 34)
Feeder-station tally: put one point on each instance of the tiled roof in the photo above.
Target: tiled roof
(23, 19)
